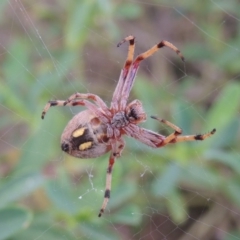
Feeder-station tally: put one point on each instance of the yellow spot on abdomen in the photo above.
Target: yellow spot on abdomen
(79, 132)
(85, 146)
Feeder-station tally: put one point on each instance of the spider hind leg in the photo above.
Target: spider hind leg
(116, 152)
(174, 137)
(108, 184)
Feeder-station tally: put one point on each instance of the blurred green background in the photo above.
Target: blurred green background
(51, 49)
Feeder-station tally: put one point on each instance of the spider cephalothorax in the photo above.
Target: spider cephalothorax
(100, 128)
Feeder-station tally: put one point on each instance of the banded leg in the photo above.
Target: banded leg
(135, 65)
(108, 184)
(124, 72)
(73, 103)
(90, 96)
(193, 137)
(154, 49)
(130, 55)
(54, 103)
(114, 154)
(174, 137)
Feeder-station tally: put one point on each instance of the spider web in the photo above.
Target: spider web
(51, 49)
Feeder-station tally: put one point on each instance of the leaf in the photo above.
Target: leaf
(198, 176)
(176, 207)
(183, 115)
(14, 103)
(19, 187)
(228, 134)
(166, 182)
(96, 231)
(129, 11)
(79, 20)
(128, 215)
(232, 190)
(62, 197)
(122, 193)
(231, 160)
(43, 144)
(12, 220)
(42, 230)
(225, 108)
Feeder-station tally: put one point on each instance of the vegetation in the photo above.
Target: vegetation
(51, 49)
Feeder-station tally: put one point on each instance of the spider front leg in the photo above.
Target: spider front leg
(116, 152)
(174, 137)
(73, 103)
(130, 55)
(117, 92)
(58, 103)
(89, 96)
(129, 81)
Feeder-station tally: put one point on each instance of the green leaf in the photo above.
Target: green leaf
(228, 134)
(12, 220)
(122, 193)
(129, 11)
(183, 115)
(176, 207)
(19, 187)
(62, 197)
(196, 51)
(79, 20)
(129, 215)
(225, 108)
(231, 160)
(16, 104)
(198, 176)
(166, 182)
(232, 235)
(45, 229)
(96, 231)
(43, 144)
(233, 191)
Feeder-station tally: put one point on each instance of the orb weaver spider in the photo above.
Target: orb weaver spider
(100, 128)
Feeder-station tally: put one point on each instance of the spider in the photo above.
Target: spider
(100, 129)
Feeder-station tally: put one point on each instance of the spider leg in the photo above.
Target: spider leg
(92, 97)
(135, 65)
(55, 103)
(143, 135)
(114, 154)
(124, 72)
(154, 49)
(186, 138)
(174, 137)
(157, 140)
(73, 103)
(130, 55)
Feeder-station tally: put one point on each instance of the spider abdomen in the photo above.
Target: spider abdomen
(85, 136)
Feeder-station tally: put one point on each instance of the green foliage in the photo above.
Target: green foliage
(18, 187)
(51, 51)
(12, 220)
(43, 228)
